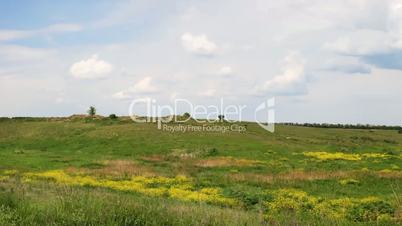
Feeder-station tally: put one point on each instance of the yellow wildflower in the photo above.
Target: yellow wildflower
(4, 178)
(10, 172)
(333, 156)
(348, 181)
(178, 187)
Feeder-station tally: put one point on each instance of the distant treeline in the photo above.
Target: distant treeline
(343, 126)
(316, 125)
(23, 118)
(33, 119)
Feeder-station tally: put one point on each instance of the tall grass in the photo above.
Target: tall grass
(47, 204)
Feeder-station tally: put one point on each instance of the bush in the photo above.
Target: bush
(7, 216)
(186, 115)
(4, 119)
(113, 116)
(370, 209)
(391, 152)
(250, 197)
(212, 152)
(8, 200)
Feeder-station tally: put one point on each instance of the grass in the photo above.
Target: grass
(116, 172)
(49, 204)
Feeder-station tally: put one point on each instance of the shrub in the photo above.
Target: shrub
(4, 119)
(113, 116)
(370, 209)
(391, 152)
(335, 208)
(249, 197)
(7, 215)
(212, 152)
(186, 115)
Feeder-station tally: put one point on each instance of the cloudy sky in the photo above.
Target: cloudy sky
(334, 61)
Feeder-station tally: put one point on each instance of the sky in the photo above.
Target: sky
(337, 61)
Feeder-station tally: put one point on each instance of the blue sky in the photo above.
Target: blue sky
(40, 13)
(335, 61)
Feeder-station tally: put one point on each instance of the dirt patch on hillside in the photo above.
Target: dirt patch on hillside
(306, 176)
(227, 162)
(390, 174)
(116, 168)
(291, 176)
(154, 158)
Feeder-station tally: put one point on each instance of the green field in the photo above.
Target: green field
(115, 172)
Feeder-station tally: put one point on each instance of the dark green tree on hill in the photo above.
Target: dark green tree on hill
(221, 118)
(91, 111)
(186, 115)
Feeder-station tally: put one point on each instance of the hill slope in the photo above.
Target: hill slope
(163, 178)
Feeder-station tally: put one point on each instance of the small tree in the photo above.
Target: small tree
(221, 118)
(186, 115)
(112, 116)
(91, 111)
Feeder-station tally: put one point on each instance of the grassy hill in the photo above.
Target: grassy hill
(80, 171)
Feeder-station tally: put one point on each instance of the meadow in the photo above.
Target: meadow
(102, 171)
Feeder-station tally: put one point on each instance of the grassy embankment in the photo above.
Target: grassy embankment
(115, 172)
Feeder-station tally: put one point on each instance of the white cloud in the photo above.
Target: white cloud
(225, 70)
(368, 40)
(395, 23)
(173, 96)
(9, 35)
(362, 42)
(350, 65)
(23, 53)
(122, 95)
(208, 93)
(6, 35)
(291, 81)
(91, 68)
(144, 86)
(60, 28)
(198, 44)
(59, 100)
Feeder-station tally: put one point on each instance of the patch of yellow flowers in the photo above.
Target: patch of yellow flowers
(333, 156)
(298, 201)
(376, 155)
(348, 181)
(291, 199)
(179, 187)
(6, 174)
(322, 155)
(10, 172)
(4, 178)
